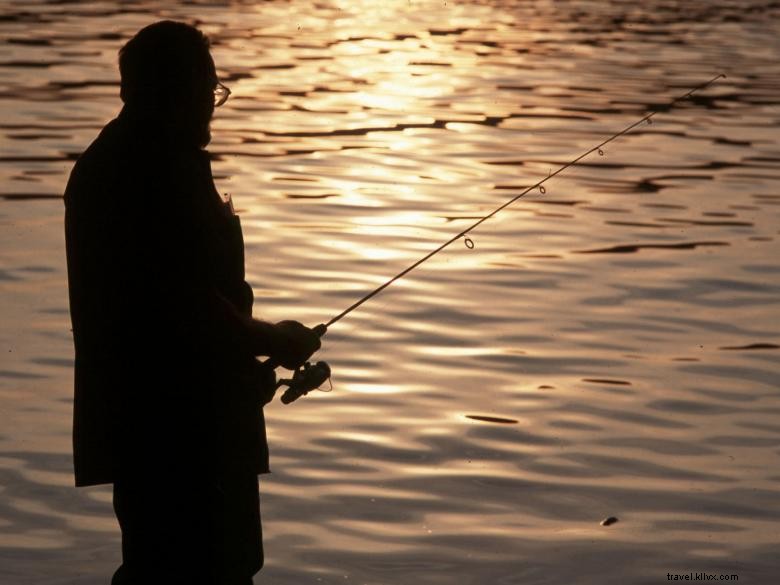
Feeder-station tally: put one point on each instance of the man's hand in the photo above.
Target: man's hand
(261, 379)
(294, 343)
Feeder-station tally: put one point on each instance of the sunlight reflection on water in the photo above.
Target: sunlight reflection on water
(608, 348)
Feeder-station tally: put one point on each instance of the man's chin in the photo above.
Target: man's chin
(205, 137)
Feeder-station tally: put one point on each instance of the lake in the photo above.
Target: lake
(608, 348)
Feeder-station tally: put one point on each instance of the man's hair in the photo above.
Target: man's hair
(162, 62)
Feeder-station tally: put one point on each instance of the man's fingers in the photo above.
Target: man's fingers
(297, 343)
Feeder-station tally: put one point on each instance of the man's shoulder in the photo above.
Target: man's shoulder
(105, 165)
(103, 148)
(105, 145)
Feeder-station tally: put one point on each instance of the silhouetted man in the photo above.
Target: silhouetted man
(168, 392)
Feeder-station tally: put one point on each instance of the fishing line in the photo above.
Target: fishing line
(311, 376)
(538, 185)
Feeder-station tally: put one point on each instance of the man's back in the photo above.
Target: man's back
(150, 247)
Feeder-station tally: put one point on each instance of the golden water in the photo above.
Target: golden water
(625, 323)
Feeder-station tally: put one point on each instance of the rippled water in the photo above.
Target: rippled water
(609, 348)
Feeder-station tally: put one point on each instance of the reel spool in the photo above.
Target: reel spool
(307, 378)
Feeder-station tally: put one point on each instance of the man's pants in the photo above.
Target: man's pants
(189, 529)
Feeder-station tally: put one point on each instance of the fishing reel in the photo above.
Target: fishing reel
(305, 379)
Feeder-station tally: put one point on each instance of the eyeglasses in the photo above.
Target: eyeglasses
(221, 94)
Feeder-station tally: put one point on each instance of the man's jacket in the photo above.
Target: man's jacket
(164, 380)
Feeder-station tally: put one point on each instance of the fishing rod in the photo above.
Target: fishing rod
(311, 376)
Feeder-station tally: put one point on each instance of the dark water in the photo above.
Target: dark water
(609, 348)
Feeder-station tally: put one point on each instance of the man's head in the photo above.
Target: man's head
(168, 75)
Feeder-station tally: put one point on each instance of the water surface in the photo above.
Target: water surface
(608, 348)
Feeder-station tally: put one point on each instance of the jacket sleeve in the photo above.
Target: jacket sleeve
(193, 257)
